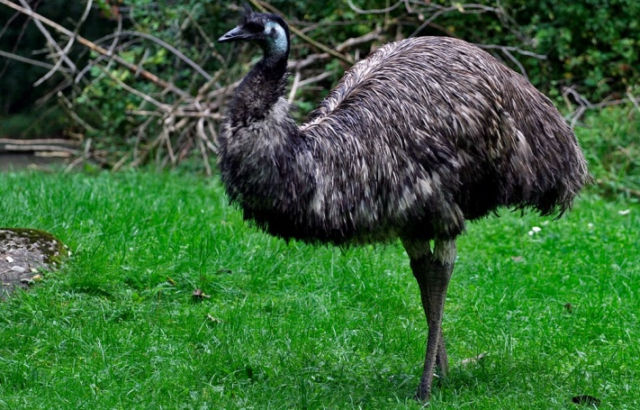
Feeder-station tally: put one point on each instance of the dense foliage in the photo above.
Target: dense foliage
(591, 44)
(19, 36)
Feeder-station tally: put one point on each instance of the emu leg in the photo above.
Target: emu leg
(433, 272)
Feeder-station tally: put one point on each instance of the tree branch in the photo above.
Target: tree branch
(63, 54)
(161, 43)
(44, 32)
(94, 47)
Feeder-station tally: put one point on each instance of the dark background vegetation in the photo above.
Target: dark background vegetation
(591, 44)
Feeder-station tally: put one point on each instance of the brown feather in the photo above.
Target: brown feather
(422, 135)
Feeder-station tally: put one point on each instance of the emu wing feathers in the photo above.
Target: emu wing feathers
(422, 135)
(436, 128)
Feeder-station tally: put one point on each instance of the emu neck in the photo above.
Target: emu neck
(260, 89)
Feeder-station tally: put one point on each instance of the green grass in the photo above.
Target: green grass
(611, 141)
(298, 327)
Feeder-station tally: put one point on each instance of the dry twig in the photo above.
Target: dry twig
(94, 47)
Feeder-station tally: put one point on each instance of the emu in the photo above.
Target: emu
(420, 137)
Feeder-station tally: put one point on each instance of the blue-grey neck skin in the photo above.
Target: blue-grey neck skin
(275, 46)
(277, 42)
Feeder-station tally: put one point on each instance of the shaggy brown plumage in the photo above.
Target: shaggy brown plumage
(421, 136)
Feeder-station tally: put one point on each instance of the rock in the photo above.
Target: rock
(25, 252)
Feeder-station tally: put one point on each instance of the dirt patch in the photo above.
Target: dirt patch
(24, 254)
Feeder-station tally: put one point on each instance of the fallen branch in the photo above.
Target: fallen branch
(28, 148)
(41, 141)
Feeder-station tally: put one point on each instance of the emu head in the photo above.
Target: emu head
(269, 31)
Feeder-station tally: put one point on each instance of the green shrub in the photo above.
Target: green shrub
(610, 139)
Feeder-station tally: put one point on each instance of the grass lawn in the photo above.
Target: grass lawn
(298, 327)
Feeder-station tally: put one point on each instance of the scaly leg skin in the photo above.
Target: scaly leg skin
(432, 270)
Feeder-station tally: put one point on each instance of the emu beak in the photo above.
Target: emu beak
(237, 33)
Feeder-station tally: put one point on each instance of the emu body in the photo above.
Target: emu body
(423, 135)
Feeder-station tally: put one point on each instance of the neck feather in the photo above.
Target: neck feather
(260, 89)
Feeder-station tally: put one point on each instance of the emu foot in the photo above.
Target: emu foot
(423, 393)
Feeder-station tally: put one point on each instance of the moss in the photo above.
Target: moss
(52, 249)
